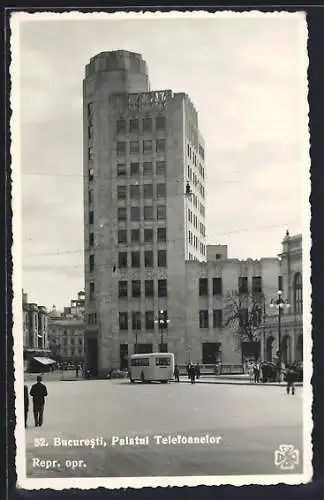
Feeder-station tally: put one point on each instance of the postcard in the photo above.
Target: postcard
(161, 227)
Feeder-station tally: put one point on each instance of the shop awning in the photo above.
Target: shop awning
(45, 361)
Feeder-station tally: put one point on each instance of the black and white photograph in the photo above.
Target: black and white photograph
(161, 248)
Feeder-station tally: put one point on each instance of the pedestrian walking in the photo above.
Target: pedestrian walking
(188, 369)
(38, 392)
(176, 373)
(192, 374)
(251, 372)
(290, 379)
(256, 371)
(197, 371)
(26, 403)
(77, 371)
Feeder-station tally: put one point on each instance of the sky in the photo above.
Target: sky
(247, 77)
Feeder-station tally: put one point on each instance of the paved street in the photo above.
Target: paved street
(252, 422)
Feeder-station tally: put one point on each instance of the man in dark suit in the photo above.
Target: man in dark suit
(38, 392)
(26, 403)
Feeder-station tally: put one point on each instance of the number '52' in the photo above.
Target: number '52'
(38, 442)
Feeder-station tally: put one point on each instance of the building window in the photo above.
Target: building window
(256, 284)
(123, 321)
(280, 283)
(147, 168)
(90, 196)
(135, 236)
(203, 318)
(161, 234)
(135, 213)
(122, 213)
(148, 235)
(121, 192)
(136, 320)
(136, 259)
(161, 212)
(162, 258)
(160, 123)
(147, 124)
(203, 287)
(148, 258)
(217, 318)
(161, 190)
(90, 153)
(91, 172)
(135, 191)
(149, 320)
(122, 289)
(121, 148)
(136, 288)
(149, 288)
(160, 168)
(92, 291)
(122, 236)
(298, 293)
(243, 317)
(133, 147)
(91, 239)
(134, 168)
(160, 145)
(121, 169)
(121, 127)
(91, 217)
(217, 286)
(147, 146)
(148, 213)
(162, 288)
(122, 259)
(243, 284)
(133, 125)
(218, 255)
(91, 263)
(148, 190)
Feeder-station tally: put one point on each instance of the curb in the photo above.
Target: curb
(227, 382)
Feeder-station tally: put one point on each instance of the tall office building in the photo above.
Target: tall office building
(142, 150)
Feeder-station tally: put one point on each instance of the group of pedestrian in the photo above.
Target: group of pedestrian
(38, 392)
(193, 372)
(265, 372)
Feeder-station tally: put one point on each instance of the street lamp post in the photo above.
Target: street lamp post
(162, 322)
(136, 335)
(279, 303)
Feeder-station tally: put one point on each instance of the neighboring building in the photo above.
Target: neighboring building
(144, 229)
(66, 332)
(35, 333)
(291, 284)
(141, 148)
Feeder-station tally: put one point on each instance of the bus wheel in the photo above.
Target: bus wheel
(132, 381)
(164, 381)
(142, 377)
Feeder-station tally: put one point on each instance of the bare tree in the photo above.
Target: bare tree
(244, 314)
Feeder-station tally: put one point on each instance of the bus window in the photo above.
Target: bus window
(140, 362)
(162, 361)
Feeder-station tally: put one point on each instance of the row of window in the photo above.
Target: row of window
(147, 146)
(72, 342)
(136, 320)
(194, 179)
(217, 287)
(217, 318)
(192, 155)
(145, 125)
(192, 217)
(136, 288)
(192, 176)
(193, 240)
(137, 235)
(123, 259)
(71, 352)
(136, 213)
(135, 191)
(136, 168)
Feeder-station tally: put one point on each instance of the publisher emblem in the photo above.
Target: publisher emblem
(286, 457)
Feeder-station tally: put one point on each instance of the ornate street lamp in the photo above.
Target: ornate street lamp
(280, 304)
(163, 323)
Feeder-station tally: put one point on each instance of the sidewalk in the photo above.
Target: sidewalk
(233, 380)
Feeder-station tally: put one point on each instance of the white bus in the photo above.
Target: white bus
(152, 367)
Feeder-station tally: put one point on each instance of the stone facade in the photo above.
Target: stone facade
(35, 331)
(66, 332)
